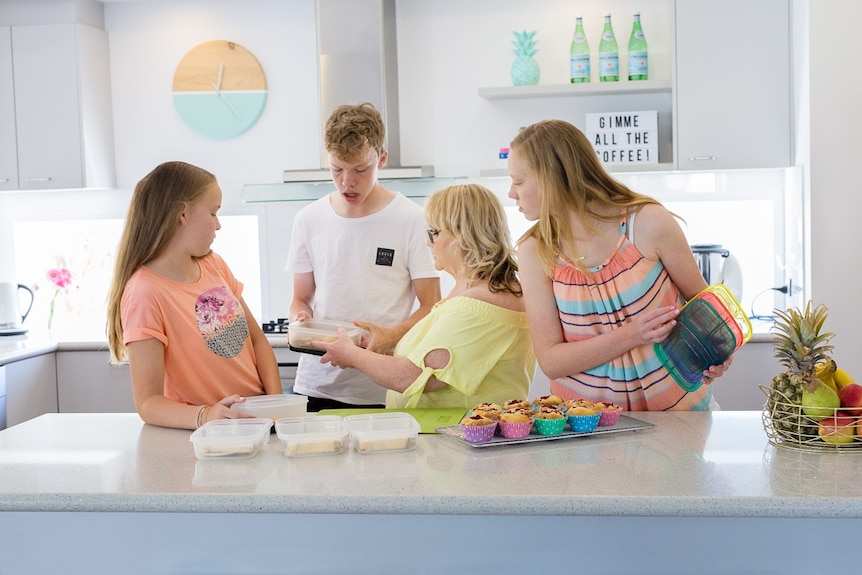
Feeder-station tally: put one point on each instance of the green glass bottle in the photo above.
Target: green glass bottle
(609, 54)
(638, 57)
(579, 55)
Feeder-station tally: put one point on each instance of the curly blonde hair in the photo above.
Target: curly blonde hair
(475, 217)
(351, 130)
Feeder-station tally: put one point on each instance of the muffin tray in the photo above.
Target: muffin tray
(625, 423)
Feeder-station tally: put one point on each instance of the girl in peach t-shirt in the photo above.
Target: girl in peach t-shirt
(175, 310)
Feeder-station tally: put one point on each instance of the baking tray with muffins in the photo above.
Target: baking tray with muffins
(624, 424)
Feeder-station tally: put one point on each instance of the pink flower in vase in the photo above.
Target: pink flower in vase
(61, 278)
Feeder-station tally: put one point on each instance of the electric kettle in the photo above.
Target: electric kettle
(718, 266)
(11, 317)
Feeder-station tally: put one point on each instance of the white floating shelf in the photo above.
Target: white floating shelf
(575, 90)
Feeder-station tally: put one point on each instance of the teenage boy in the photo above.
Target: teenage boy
(359, 254)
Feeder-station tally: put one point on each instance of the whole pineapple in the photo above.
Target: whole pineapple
(799, 344)
(525, 70)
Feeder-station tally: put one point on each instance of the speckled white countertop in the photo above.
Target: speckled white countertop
(715, 464)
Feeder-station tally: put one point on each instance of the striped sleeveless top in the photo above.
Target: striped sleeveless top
(625, 285)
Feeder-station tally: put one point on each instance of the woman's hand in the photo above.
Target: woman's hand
(379, 339)
(337, 351)
(222, 410)
(654, 326)
(716, 371)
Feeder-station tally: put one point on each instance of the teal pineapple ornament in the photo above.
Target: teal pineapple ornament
(525, 70)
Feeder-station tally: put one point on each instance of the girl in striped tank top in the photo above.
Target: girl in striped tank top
(597, 296)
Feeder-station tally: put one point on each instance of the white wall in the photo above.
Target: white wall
(836, 197)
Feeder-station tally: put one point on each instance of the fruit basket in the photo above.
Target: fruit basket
(787, 425)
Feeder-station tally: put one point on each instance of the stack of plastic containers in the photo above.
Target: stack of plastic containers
(710, 328)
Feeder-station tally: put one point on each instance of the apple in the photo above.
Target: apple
(837, 429)
(851, 398)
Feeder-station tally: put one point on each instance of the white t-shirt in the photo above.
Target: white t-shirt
(363, 269)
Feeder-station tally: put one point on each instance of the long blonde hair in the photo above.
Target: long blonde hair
(571, 181)
(152, 220)
(474, 215)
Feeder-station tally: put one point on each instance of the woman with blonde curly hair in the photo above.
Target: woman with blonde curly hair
(474, 346)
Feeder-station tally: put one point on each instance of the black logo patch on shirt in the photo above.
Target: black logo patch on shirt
(385, 257)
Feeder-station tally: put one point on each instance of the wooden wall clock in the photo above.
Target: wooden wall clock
(219, 89)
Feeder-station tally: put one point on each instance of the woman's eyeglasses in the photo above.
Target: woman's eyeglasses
(432, 234)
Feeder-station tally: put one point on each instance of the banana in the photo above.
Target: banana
(825, 371)
(842, 378)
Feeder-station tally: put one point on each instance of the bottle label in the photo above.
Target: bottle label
(609, 64)
(639, 34)
(608, 36)
(580, 65)
(638, 63)
(579, 37)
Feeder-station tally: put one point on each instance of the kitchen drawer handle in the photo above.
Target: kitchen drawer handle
(44, 179)
(4, 180)
(701, 158)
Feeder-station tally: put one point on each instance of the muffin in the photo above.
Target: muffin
(609, 413)
(549, 421)
(515, 424)
(552, 409)
(572, 403)
(548, 400)
(489, 410)
(477, 428)
(583, 419)
(516, 403)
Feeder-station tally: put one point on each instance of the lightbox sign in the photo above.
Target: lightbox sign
(624, 137)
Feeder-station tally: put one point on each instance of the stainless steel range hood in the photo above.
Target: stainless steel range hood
(358, 62)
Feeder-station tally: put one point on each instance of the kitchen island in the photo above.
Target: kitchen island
(700, 491)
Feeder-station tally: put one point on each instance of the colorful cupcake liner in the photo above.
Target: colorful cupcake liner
(479, 433)
(609, 417)
(583, 423)
(515, 429)
(550, 426)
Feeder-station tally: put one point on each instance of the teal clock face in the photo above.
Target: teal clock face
(219, 89)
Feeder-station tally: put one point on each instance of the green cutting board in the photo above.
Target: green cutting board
(428, 418)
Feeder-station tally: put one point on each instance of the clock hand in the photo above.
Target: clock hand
(226, 101)
(220, 70)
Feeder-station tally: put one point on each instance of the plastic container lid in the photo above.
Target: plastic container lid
(376, 432)
(312, 435)
(273, 406)
(301, 334)
(231, 438)
(710, 328)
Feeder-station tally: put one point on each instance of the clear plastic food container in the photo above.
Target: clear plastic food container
(273, 406)
(312, 435)
(378, 432)
(301, 334)
(231, 438)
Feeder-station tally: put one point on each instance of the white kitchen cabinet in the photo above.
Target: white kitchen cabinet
(733, 84)
(8, 144)
(88, 383)
(31, 388)
(62, 105)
